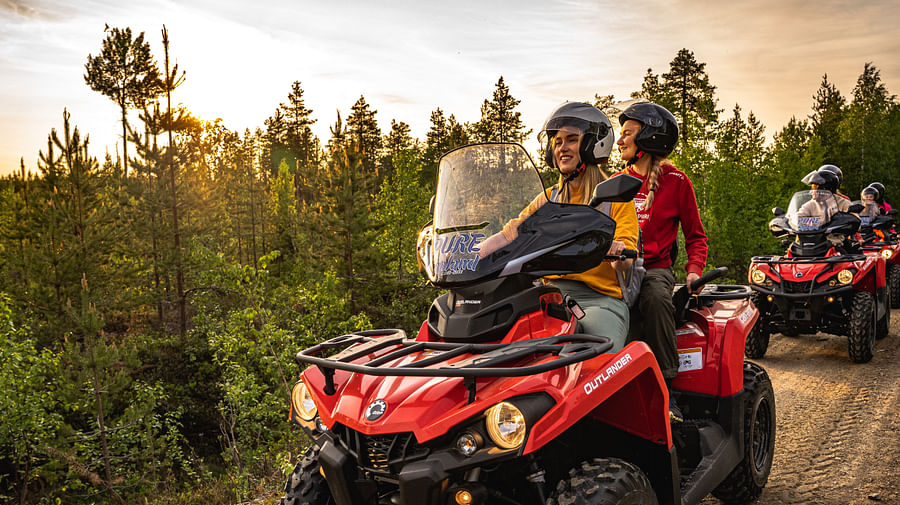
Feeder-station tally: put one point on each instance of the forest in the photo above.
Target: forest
(151, 304)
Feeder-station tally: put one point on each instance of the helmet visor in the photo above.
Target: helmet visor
(554, 124)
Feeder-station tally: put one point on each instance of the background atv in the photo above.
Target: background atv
(877, 235)
(824, 282)
(496, 400)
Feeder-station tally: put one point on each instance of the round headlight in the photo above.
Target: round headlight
(505, 425)
(887, 253)
(303, 403)
(845, 276)
(468, 443)
(757, 276)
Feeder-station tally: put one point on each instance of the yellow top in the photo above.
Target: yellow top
(601, 278)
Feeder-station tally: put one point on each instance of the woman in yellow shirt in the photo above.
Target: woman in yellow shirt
(577, 137)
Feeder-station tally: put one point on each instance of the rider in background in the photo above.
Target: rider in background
(576, 138)
(843, 200)
(881, 203)
(823, 205)
(649, 134)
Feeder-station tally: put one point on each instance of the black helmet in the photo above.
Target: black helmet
(835, 170)
(807, 179)
(880, 188)
(869, 190)
(597, 134)
(659, 129)
(822, 178)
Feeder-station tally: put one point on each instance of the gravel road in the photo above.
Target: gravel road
(838, 422)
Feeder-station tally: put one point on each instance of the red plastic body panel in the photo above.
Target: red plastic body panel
(625, 389)
(711, 348)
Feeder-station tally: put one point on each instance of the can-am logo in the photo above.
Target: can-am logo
(375, 410)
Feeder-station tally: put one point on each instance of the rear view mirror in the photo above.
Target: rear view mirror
(616, 189)
(778, 211)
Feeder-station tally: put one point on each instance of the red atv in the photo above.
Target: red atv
(877, 236)
(497, 400)
(824, 282)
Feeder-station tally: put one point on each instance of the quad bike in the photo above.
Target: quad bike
(877, 236)
(499, 400)
(823, 283)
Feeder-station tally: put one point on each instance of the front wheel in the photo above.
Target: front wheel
(306, 486)
(861, 342)
(758, 339)
(746, 482)
(894, 285)
(604, 481)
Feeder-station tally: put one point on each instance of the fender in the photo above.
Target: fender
(633, 398)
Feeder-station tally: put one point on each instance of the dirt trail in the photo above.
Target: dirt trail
(838, 422)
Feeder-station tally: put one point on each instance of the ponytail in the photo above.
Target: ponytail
(653, 180)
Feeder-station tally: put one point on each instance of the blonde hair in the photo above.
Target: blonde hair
(591, 176)
(656, 163)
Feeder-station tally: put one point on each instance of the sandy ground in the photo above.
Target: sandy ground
(838, 422)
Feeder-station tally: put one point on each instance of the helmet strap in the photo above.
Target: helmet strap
(636, 158)
(575, 173)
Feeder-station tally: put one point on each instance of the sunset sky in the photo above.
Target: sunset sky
(409, 57)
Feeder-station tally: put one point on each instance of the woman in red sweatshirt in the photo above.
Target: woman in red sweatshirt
(667, 199)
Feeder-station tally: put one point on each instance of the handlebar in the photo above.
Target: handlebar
(708, 276)
(626, 254)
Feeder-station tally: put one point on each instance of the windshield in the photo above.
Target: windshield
(811, 209)
(870, 210)
(480, 188)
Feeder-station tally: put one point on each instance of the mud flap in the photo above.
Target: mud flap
(340, 472)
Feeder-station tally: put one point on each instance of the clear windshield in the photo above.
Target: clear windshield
(870, 210)
(811, 209)
(480, 188)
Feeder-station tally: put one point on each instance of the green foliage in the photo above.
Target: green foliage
(30, 420)
(499, 121)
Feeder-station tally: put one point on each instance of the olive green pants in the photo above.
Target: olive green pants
(653, 319)
(604, 315)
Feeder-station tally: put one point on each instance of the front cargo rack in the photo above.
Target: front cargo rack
(563, 349)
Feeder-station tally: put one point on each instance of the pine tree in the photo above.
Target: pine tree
(869, 131)
(289, 137)
(347, 195)
(445, 134)
(364, 137)
(499, 121)
(125, 72)
(396, 142)
(828, 110)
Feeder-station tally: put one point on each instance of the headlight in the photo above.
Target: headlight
(845, 276)
(757, 276)
(468, 443)
(506, 425)
(887, 253)
(302, 401)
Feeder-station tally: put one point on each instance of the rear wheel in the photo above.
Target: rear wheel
(746, 482)
(894, 285)
(884, 324)
(758, 338)
(604, 481)
(306, 486)
(861, 342)
(791, 331)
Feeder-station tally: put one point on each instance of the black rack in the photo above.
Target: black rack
(840, 258)
(565, 349)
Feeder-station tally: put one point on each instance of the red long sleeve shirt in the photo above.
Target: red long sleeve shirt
(674, 203)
